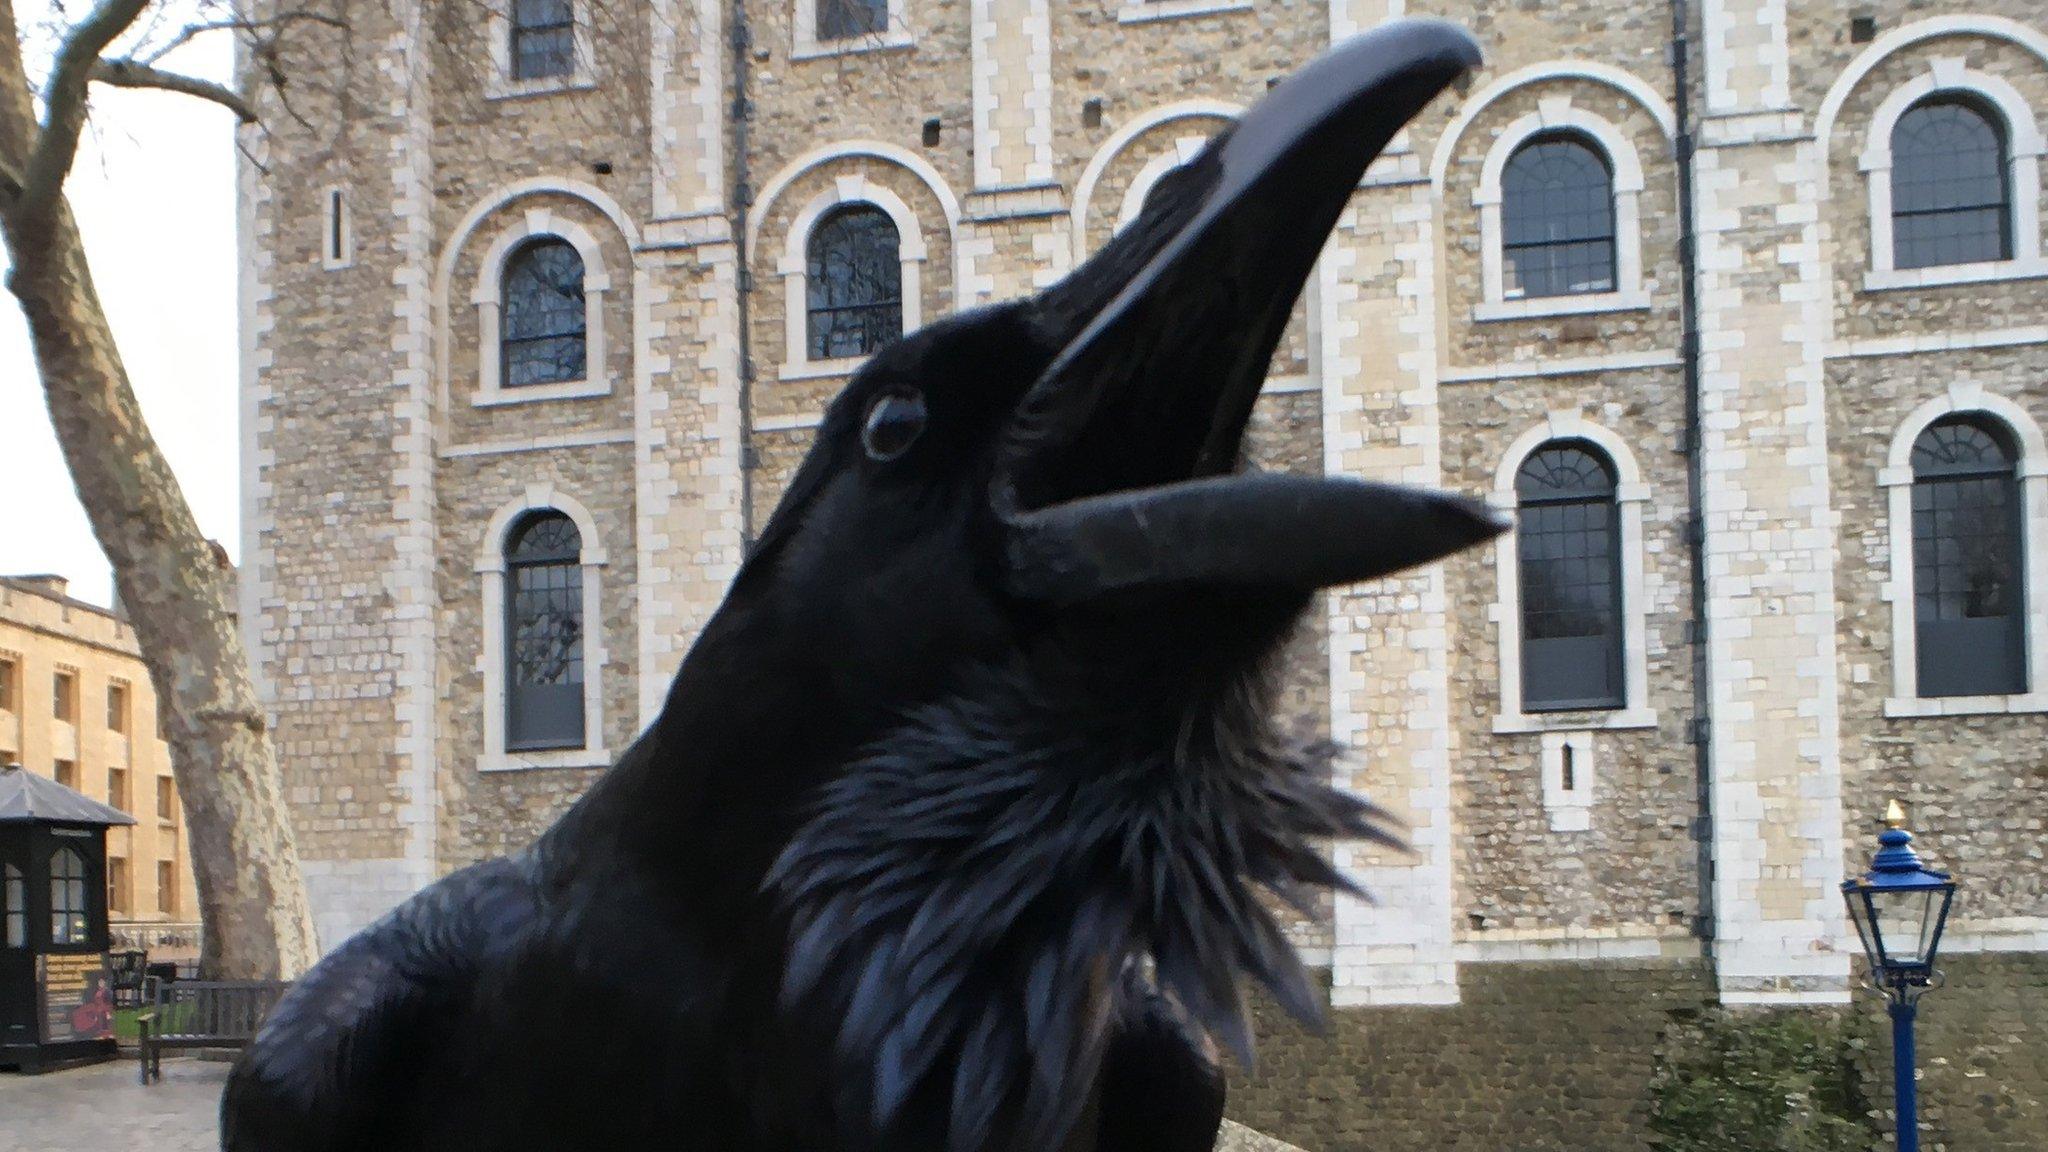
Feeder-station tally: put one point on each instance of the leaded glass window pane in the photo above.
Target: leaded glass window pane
(70, 922)
(1569, 555)
(1950, 200)
(854, 287)
(846, 19)
(543, 39)
(544, 634)
(543, 322)
(1969, 606)
(1557, 219)
(14, 901)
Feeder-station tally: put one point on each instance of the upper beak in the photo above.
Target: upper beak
(1116, 476)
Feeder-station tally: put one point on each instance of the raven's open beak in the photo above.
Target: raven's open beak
(1122, 461)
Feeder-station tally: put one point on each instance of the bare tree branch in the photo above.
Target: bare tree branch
(251, 27)
(126, 73)
(64, 102)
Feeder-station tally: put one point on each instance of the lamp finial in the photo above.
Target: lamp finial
(1894, 814)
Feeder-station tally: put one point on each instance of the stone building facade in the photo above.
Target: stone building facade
(77, 706)
(1764, 344)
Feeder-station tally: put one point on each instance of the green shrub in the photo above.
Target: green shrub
(1777, 1081)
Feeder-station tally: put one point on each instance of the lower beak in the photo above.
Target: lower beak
(1122, 453)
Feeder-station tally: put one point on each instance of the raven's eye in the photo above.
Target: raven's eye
(894, 421)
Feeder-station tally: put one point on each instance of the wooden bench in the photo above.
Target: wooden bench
(202, 1014)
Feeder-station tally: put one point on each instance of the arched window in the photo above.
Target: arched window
(14, 907)
(847, 19)
(1567, 547)
(70, 920)
(543, 39)
(1951, 201)
(543, 341)
(854, 283)
(1968, 601)
(1557, 218)
(544, 634)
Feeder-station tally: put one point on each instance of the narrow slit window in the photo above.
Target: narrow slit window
(1570, 772)
(336, 242)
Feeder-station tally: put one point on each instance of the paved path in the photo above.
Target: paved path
(103, 1109)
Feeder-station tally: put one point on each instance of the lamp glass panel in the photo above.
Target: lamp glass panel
(1905, 922)
(1859, 915)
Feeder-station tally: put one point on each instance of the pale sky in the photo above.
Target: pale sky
(154, 192)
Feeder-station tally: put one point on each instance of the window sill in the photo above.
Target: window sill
(1536, 307)
(1151, 11)
(1512, 723)
(533, 393)
(820, 369)
(535, 761)
(1921, 707)
(853, 45)
(1986, 272)
(506, 88)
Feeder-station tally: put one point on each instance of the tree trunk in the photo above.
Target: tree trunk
(177, 593)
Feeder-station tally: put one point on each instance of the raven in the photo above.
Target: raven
(957, 829)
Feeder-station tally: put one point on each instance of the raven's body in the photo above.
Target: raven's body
(953, 832)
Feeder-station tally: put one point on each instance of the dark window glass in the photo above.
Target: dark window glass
(544, 339)
(70, 921)
(1567, 542)
(544, 634)
(543, 39)
(14, 901)
(1950, 203)
(1557, 219)
(846, 19)
(855, 283)
(1968, 603)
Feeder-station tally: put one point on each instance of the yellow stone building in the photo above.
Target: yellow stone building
(76, 705)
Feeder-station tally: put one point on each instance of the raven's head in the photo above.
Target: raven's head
(1037, 595)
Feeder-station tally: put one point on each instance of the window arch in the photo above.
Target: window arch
(14, 907)
(853, 283)
(1573, 587)
(543, 339)
(558, 296)
(70, 913)
(542, 654)
(1569, 553)
(1966, 484)
(1560, 216)
(1952, 167)
(1969, 604)
(1557, 218)
(1951, 199)
(544, 634)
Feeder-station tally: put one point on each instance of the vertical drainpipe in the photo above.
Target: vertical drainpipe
(742, 37)
(1695, 530)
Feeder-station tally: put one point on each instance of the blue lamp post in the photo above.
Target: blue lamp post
(1899, 908)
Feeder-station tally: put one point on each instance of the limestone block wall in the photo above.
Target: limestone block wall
(374, 473)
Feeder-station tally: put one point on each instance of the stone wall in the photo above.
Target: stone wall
(1560, 1058)
(1535, 1058)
